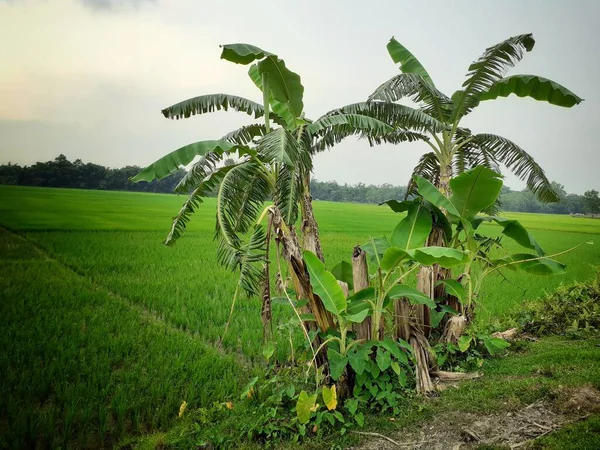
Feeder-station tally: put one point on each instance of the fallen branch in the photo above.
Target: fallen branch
(455, 376)
(399, 444)
(507, 335)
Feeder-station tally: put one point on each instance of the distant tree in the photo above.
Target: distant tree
(591, 201)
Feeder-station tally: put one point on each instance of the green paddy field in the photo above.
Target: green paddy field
(105, 331)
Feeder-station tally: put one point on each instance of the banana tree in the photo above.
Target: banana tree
(273, 162)
(471, 254)
(455, 149)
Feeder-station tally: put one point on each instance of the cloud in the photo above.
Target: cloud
(112, 5)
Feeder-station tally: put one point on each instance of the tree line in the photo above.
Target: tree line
(61, 172)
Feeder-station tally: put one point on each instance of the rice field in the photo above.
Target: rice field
(106, 331)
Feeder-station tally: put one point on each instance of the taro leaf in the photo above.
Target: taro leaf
(444, 256)
(325, 285)
(494, 345)
(384, 359)
(397, 206)
(305, 405)
(392, 347)
(360, 419)
(395, 367)
(454, 288)
(392, 257)
(343, 272)
(351, 405)
(413, 230)
(337, 363)
(268, 350)
(475, 190)
(414, 296)
(437, 316)
(329, 397)
(464, 342)
(358, 358)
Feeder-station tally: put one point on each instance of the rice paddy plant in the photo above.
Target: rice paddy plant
(80, 367)
(111, 332)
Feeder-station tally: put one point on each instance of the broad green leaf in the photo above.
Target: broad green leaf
(397, 206)
(384, 359)
(360, 419)
(359, 305)
(494, 345)
(393, 348)
(351, 405)
(212, 102)
(414, 296)
(396, 367)
(440, 220)
(182, 157)
(358, 358)
(280, 146)
(454, 288)
(392, 257)
(444, 256)
(408, 63)
(517, 232)
(464, 342)
(337, 363)
(376, 246)
(369, 125)
(283, 115)
(329, 397)
(531, 264)
(357, 316)
(268, 350)
(248, 391)
(538, 88)
(284, 84)
(413, 230)
(430, 193)
(343, 272)
(475, 190)
(305, 405)
(325, 285)
(242, 53)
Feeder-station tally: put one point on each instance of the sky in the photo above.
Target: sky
(88, 78)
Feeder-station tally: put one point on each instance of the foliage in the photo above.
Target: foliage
(62, 173)
(592, 201)
(457, 149)
(572, 310)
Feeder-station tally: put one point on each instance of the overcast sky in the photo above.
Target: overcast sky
(88, 78)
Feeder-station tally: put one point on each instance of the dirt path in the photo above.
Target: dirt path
(463, 431)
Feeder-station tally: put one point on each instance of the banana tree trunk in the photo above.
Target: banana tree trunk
(310, 228)
(292, 253)
(360, 279)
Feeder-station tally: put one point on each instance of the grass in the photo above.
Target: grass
(114, 330)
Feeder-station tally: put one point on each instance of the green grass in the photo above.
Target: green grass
(104, 293)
